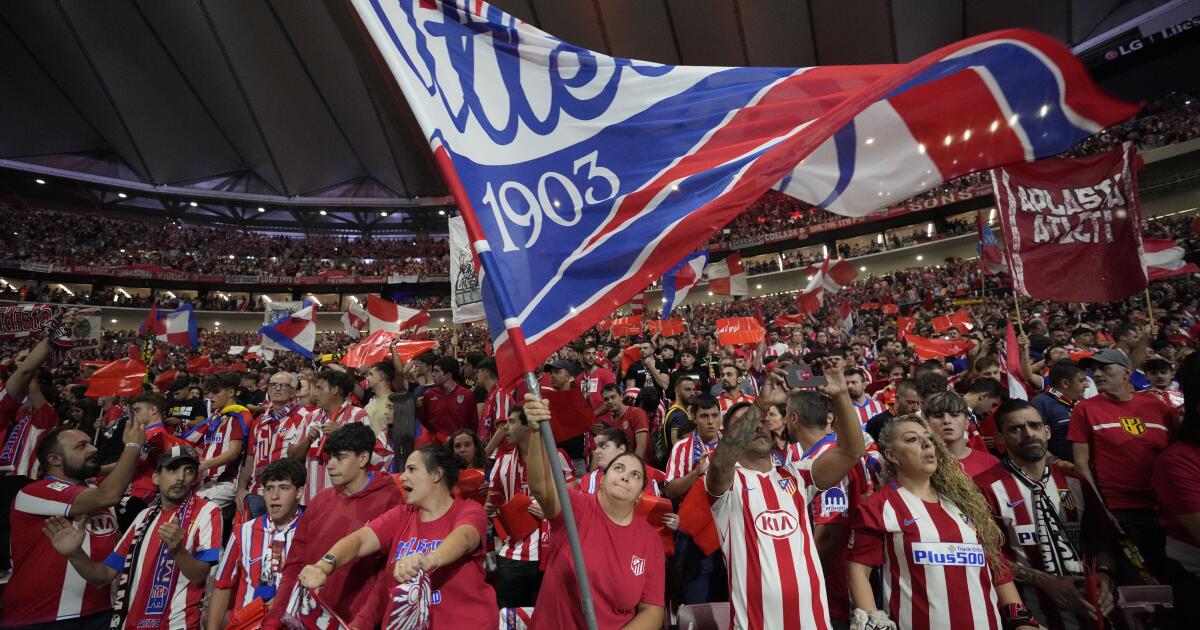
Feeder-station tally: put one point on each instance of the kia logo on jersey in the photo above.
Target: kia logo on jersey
(776, 523)
(637, 565)
(101, 524)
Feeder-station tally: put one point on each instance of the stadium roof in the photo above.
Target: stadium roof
(275, 114)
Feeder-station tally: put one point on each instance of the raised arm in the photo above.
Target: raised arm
(357, 544)
(724, 459)
(537, 465)
(1035, 381)
(112, 489)
(67, 538)
(831, 467)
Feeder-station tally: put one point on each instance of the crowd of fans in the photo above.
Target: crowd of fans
(79, 239)
(85, 239)
(218, 453)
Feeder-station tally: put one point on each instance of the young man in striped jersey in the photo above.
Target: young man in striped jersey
(163, 560)
(864, 405)
(762, 511)
(1053, 523)
(518, 577)
(253, 562)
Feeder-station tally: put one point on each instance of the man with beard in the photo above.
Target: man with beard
(593, 379)
(68, 460)
(1052, 521)
(163, 560)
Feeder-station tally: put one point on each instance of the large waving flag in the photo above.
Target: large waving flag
(177, 327)
(680, 279)
(298, 332)
(728, 277)
(1163, 258)
(354, 320)
(830, 277)
(583, 177)
(389, 316)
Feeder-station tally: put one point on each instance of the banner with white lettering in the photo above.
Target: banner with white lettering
(1072, 226)
(466, 301)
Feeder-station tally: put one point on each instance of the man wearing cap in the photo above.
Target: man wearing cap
(562, 378)
(162, 562)
(1117, 436)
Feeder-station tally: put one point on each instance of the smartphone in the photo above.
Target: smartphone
(800, 375)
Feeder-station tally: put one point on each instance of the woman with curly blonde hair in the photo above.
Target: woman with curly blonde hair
(932, 532)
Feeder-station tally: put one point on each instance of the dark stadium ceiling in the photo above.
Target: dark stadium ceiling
(208, 110)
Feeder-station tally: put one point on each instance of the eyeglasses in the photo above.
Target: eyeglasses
(280, 386)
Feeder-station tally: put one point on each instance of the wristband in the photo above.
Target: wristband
(134, 445)
(1016, 615)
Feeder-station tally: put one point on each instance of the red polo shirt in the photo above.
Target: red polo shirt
(446, 412)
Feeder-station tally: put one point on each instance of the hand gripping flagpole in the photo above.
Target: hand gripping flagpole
(491, 275)
(568, 512)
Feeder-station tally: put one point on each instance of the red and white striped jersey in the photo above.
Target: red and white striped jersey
(1086, 524)
(267, 442)
(935, 571)
(253, 560)
(868, 409)
(775, 576)
(725, 401)
(686, 453)
(495, 413)
(213, 437)
(36, 566)
(318, 478)
(18, 453)
(656, 482)
(160, 590)
(507, 480)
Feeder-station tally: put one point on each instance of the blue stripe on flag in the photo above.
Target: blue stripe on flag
(844, 143)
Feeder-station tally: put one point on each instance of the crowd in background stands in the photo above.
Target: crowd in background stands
(77, 239)
(89, 240)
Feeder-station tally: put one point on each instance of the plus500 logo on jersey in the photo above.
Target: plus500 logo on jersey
(948, 554)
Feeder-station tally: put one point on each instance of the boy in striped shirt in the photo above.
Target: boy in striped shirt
(163, 560)
(253, 562)
(220, 438)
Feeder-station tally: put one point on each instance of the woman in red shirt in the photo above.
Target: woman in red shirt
(435, 533)
(622, 552)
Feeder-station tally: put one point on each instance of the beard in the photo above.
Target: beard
(86, 469)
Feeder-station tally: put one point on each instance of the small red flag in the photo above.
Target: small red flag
(696, 519)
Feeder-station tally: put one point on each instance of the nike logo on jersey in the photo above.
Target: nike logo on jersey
(910, 521)
(1013, 504)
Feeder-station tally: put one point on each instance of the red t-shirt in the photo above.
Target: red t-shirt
(28, 599)
(625, 567)
(1177, 480)
(591, 383)
(978, 462)
(633, 422)
(1125, 438)
(460, 598)
(444, 413)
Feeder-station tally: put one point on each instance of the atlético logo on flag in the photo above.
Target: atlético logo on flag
(637, 565)
(583, 177)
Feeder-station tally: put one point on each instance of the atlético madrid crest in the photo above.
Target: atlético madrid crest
(1133, 426)
(637, 565)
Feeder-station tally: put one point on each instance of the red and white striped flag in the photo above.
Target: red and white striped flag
(637, 305)
(1163, 258)
(830, 277)
(354, 320)
(1012, 365)
(385, 315)
(728, 277)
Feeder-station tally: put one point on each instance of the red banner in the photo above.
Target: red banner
(626, 326)
(926, 349)
(122, 377)
(668, 327)
(377, 347)
(960, 320)
(1072, 227)
(733, 331)
(783, 321)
